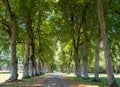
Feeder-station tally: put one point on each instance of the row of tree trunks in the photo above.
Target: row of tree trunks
(13, 29)
(109, 69)
(29, 61)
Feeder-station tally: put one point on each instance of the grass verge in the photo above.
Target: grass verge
(80, 82)
(31, 82)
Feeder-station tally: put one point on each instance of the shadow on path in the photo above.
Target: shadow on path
(55, 80)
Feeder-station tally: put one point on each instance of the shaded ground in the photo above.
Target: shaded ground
(59, 80)
(55, 80)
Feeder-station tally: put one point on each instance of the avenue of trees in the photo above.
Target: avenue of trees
(65, 35)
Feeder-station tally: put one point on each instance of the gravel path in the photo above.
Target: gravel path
(55, 80)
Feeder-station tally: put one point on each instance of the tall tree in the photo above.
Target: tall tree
(109, 69)
(13, 30)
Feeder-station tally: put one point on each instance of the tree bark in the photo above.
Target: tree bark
(85, 43)
(38, 66)
(42, 67)
(69, 64)
(32, 58)
(76, 56)
(116, 69)
(97, 56)
(13, 27)
(85, 57)
(35, 67)
(26, 61)
(109, 69)
(77, 64)
(27, 50)
(14, 61)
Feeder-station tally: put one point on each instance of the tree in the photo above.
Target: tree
(29, 54)
(12, 28)
(85, 43)
(109, 69)
(72, 20)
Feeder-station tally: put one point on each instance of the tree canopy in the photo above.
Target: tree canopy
(64, 35)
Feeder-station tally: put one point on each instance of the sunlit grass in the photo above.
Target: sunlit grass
(4, 75)
(30, 82)
(77, 82)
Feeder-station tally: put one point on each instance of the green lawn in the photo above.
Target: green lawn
(31, 82)
(4, 75)
(77, 82)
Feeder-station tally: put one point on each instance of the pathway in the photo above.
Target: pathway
(55, 80)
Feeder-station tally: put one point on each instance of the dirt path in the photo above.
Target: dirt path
(55, 80)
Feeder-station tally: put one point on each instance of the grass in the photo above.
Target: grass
(32, 82)
(80, 82)
(70, 78)
(4, 75)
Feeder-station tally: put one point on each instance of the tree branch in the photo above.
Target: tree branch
(118, 12)
(4, 22)
(6, 2)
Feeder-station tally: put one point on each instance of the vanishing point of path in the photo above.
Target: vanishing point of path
(55, 80)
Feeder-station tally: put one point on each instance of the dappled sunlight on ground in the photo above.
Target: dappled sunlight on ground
(82, 85)
(4, 75)
(36, 85)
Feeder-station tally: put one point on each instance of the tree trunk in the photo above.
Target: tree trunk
(27, 50)
(26, 61)
(85, 43)
(43, 67)
(85, 57)
(76, 56)
(14, 61)
(109, 69)
(31, 68)
(32, 59)
(116, 69)
(38, 66)
(13, 27)
(69, 64)
(77, 65)
(35, 68)
(97, 52)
